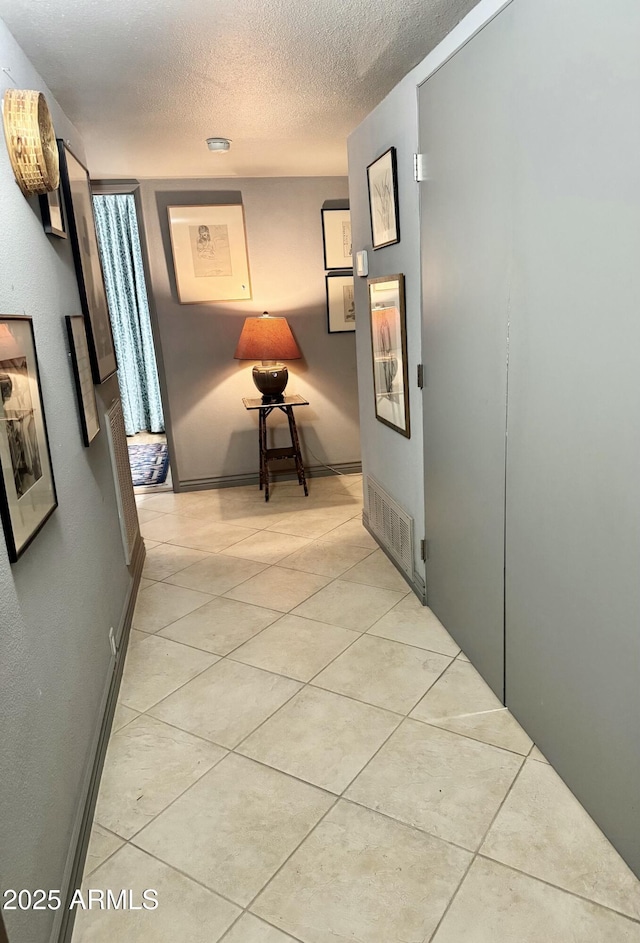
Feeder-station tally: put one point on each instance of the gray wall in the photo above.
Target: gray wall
(214, 438)
(395, 461)
(58, 602)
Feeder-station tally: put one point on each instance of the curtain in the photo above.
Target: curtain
(119, 243)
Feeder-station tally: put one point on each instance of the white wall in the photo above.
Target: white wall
(396, 462)
(59, 600)
(214, 438)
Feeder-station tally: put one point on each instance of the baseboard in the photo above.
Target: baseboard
(251, 478)
(415, 581)
(63, 927)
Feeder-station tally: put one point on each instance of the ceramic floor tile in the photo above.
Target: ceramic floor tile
(312, 523)
(167, 526)
(236, 826)
(186, 911)
(498, 904)
(220, 625)
(122, 716)
(212, 537)
(463, 657)
(543, 830)
(463, 702)
(267, 547)
(350, 605)
(148, 764)
(170, 502)
(146, 515)
(278, 588)
(102, 845)
(298, 648)
(323, 738)
(150, 544)
(537, 755)
(448, 785)
(216, 574)
(157, 666)
(161, 604)
(327, 558)
(145, 583)
(167, 559)
(377, 570)
(227, 702)
(353, 532)
(414, 624)
(249, 929)
(362, 877)
(383, 673)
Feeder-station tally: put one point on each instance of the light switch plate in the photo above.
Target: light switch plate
(362, 263)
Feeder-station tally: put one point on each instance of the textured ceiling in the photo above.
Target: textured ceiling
(146, 81)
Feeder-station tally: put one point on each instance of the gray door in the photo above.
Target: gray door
(573, 469)
(466, 274)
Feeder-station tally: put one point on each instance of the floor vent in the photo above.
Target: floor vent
(127, 509)
(391, 524)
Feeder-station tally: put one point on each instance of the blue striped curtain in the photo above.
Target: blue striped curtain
(119, 244)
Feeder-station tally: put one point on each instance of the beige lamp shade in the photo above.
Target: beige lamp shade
(267, 338)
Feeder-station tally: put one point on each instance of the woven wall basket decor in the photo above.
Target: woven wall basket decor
(31, 141)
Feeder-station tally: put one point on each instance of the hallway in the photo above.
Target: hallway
(302, 753)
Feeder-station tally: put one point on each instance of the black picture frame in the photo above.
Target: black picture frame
(76, 189)
(337, 244)
(27, 488)
(82, 377)
(384, 212)
(388, 323)
(341, 312)
(52, 213)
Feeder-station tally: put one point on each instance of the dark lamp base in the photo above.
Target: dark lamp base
(271, 381)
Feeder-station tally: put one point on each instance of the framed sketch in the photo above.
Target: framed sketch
(336, 238)
(76, 189)
(341, 309)
(389, 352)
(27, 490)
(209, 253)
(382, 177)
(51, 212)
(89, 421)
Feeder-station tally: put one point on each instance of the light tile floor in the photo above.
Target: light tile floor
(302, 753)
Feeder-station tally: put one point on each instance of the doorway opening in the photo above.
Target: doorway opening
(125, 283)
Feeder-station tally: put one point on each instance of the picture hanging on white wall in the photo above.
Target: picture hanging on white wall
(341, 308)
(389, 351)
(336, 238)
(382, 178)
(27, 490)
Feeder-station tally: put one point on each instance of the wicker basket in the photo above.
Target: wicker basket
(31, 141)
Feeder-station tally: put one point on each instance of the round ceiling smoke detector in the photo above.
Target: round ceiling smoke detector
(218, 144)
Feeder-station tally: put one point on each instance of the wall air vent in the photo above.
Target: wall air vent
(127, 509)
(391, 524)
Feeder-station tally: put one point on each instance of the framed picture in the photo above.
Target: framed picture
(51, 212)
(76, 189)
(336, 238)
(382, 177)
(389, 351)
(89, 421)
(27, 490)
(209, 253)
(341, 309)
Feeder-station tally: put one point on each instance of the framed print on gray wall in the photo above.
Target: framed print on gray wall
(209, 247)
(389, 352)
(51, 212)
(382, 178)
(336, 238)
(27, 489)
(85, 392)
(76, 189)
(341, 309)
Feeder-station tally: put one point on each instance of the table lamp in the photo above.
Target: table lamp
(271, 341)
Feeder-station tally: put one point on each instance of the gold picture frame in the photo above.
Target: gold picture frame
(209, 249)
(389, 352)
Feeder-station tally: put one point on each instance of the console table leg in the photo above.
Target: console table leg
(296, 445)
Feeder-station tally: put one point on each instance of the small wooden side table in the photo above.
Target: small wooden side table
(273, 455)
